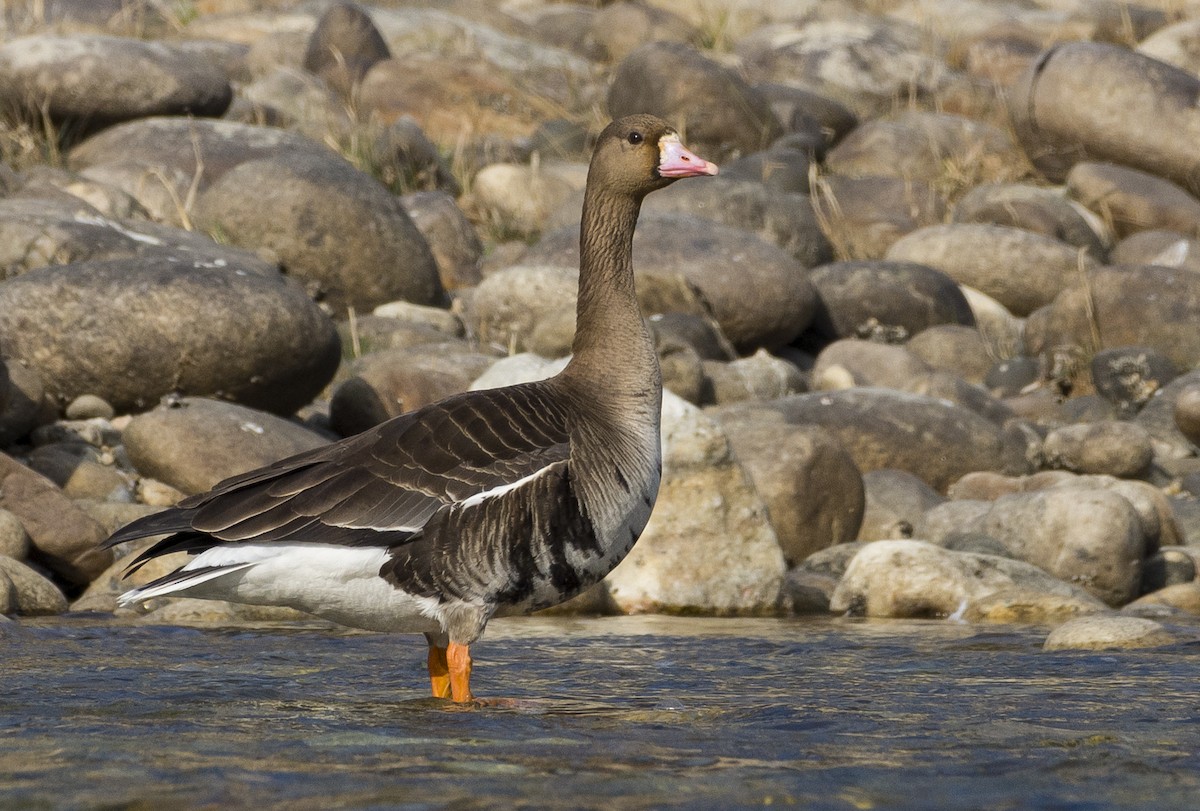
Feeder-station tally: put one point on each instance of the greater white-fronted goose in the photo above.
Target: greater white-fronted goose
(503, 500)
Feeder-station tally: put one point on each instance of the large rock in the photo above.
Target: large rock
(892, 300)
(709, 545)
(1090, 537)
(864, 216)
(895, 502)
(387, 384)
(929, 437)
(29, 593)
(721, 114)
(1115, 448)
(784, 218)
(1109, 633)
(864, 63)
(338, 230)
(1091, 101)
(88, 82)
(134, 330)
(759, 294)
(193, 443)
(63, 537)
(1134, 201)
(811, 486)
(35, 233)
(917, 579)
(920, 145)
(1034, 208)
(1020, 269)
(456, 247)
(344, 46)
(1152, 307)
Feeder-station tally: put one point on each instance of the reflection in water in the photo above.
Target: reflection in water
(630, 713)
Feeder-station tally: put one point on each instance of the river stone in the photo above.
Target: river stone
(780, 168)
(1153, 307)
(87, 407)
(859, 61)
(1109, 447)
(293, 98)
(23, 401)
(721, 114)
(1091, 101)
(813, 122)
(954, 348)
(709, 545)
(1184, 597)
(1166, 248)
(932, 438)
(159, 160)
(344, 46)
(811, 486)
(338, 230)
(168, 327)
(91, 82)
(14, 540)
(620, 28)
(37, 233)
(894, 502)
(519, 200)
(912, 578)
(193, 443)
(784, 218)
(452, 239)
(944, 522)
(849, 363)
(31, 594)
(917, 145)
(888, 300)
(1128, 376)
(1153, 509)
(1020, 269)
(62, 536)
(864, 216)
(1090, 537)
(1169, 566)
(509, 304)
(77, 469)
(1109, 633)
(762, 376)
(1033, 208)
(1132, 200)
(760, 296)
(387, 384)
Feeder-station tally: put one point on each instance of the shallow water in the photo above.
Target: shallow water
(610, 713)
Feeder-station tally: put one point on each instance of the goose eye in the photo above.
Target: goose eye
(635, 138)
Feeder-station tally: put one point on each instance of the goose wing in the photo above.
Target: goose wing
(378, 488)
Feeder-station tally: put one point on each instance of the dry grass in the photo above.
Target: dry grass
(24, 144)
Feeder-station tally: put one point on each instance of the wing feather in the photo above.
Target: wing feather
(377, 488)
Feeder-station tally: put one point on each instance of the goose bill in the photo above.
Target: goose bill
(675, 160)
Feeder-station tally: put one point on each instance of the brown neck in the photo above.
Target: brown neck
(612, 344)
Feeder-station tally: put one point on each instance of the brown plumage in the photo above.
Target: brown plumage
(493, 501)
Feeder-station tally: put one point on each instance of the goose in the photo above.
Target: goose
(503, 501)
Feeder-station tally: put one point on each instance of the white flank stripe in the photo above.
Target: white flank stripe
(479, 498)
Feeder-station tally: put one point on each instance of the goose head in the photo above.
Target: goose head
(638, 154)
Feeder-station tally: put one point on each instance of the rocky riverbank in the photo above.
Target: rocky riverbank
(930, 338)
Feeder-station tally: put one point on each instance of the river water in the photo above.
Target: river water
(617, 713)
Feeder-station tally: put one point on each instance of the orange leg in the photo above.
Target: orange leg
(439, 672)
(459, 659)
